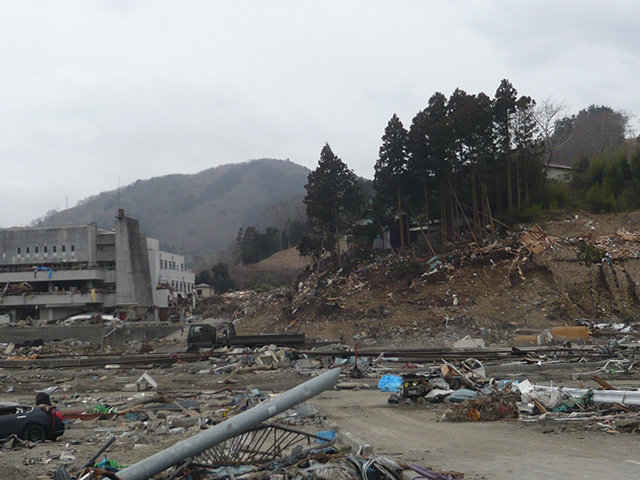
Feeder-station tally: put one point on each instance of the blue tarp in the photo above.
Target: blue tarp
(390, 383)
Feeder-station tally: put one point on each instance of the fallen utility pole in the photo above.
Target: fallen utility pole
(237, 425)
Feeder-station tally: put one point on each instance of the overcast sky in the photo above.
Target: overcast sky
(96, 94)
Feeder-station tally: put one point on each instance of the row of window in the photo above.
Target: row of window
(184, 287)
(171, 265)
(45, 249)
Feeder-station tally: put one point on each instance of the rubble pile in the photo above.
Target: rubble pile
(531, 277)
(317, 456)
(23, 288)
(324, 464)
(145, 414)
(472, 396)
(500, 406)
(37, 348)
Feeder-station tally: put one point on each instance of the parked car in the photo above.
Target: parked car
(33, 423)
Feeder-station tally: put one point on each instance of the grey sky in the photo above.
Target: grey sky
(93, 93)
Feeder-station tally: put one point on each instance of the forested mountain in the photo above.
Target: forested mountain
(200, 213)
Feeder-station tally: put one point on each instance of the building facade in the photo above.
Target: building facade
(559, 173)
(173, 281)
(53, 272)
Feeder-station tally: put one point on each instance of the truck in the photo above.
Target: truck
(223, 334)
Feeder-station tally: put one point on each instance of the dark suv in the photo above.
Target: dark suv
(35, 424)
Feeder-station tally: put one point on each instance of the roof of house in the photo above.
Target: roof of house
(560, 167)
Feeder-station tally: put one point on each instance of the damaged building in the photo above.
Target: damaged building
(50, 273)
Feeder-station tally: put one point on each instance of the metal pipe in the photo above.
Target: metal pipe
(599, 396)
(106, 335)
(230, 428)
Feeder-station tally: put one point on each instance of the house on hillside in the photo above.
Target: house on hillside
(54, 272)
(559, 173)
(204, 290)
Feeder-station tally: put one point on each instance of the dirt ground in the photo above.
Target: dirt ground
(493, 450)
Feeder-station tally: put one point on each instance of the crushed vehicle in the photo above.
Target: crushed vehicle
(32, 423)
(414, 386)
(223, 334)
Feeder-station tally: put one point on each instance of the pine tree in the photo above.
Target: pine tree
(428, 140)
(333, 201)
(390, 172)
(504, 108)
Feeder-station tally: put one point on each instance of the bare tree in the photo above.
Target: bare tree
(547, 114)
(282, 215)
(594, 131)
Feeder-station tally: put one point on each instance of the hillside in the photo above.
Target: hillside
(532, 279)
(281, 268)
(196, 214)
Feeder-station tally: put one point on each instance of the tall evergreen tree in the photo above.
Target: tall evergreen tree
(239, 244)
(333, 201)
(528, 151)
(471, 122)
(504, 107)
(390, 172)
(429, 141)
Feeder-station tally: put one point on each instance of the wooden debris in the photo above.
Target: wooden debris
(604, 384)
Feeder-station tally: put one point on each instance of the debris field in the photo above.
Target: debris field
(141, 404)
(533, 335)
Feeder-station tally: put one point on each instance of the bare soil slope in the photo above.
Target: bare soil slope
(490, 291)
(280, 268)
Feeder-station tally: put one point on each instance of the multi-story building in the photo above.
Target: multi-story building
(53, 272)
(173, 281)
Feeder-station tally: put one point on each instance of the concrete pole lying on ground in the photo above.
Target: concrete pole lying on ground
(230, 428)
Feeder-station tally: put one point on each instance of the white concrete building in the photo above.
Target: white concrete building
(172, 280)
(53, 272)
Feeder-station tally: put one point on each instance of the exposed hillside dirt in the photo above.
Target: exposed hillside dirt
(280, 268)
(383, 306)
(489, 292)
(608, 288)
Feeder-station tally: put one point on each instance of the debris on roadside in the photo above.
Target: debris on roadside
(470, 396)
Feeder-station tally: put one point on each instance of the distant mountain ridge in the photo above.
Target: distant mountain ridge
(196, 214)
